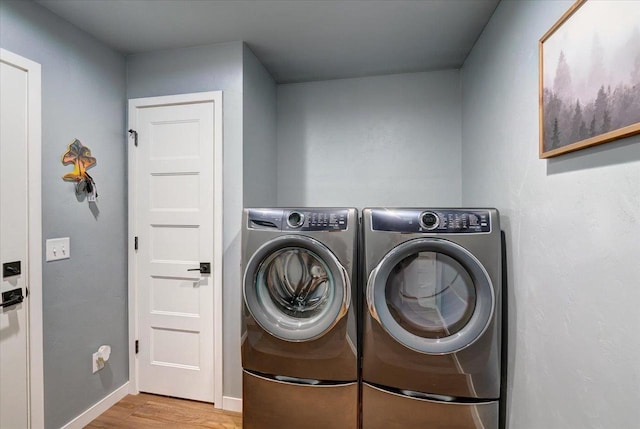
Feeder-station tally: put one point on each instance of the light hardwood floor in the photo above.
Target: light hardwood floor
(146, 411)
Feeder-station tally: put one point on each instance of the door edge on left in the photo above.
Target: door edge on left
(34, 149)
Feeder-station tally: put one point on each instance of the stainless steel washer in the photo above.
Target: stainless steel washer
(299, 334)
(432, 319)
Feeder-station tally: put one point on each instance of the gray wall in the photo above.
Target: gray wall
(377, 141)
(259, 133)
(209, 68)
(84, 298)
(573, 237)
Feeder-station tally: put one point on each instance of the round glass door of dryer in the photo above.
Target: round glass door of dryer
(295, 288)
(432, 296)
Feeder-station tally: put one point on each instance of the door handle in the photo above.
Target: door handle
(12, 297)
(11, 269)
(205, 268)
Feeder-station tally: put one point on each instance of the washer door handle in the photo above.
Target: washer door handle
(371, 304)
(346, 300)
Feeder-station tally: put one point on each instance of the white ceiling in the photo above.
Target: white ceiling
(295, 40)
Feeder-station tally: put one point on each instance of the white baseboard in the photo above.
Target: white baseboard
(229, 403)
(94, 411)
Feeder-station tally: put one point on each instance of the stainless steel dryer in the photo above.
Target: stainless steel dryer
(432, 320)
(299, 339)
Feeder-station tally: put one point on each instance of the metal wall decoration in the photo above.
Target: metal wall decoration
(590, 76)
(80, 156)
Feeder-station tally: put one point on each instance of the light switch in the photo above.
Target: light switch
(58, 248)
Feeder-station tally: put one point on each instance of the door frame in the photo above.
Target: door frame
(34, 183)
(135, 103)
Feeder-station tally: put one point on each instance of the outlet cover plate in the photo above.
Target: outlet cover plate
(95, 363)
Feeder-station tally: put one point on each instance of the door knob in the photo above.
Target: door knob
(205, 268)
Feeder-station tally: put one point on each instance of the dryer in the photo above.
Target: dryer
(432, 319)
(299, 336)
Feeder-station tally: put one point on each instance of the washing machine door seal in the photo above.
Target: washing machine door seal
(295, 288)
(409, 318)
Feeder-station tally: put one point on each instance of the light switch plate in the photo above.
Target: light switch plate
(58, 248)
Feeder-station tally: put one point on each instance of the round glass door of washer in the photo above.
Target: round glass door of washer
(432, 296)
(295, 288)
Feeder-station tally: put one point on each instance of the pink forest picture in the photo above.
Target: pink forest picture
(590, 76)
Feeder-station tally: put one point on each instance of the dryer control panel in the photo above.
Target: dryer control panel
(299, 219)
(441, 221)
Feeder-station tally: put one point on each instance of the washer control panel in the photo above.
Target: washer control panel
(441, 221)
(298, 219)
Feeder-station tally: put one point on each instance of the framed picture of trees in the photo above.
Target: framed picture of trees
(590, 76)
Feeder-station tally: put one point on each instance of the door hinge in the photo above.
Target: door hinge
(134, 133)
(135, 243)
(137, 346)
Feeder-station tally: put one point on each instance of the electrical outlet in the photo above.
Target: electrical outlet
(96, 363)
(58, 248)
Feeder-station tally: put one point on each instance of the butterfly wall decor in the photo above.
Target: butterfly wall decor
(80, 156)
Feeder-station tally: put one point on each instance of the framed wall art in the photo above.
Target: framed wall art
(590, 76)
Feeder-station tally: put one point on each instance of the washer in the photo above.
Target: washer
(299, 337)
(431, 318)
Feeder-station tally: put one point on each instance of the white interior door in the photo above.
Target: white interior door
(14, 358)
(174, 224)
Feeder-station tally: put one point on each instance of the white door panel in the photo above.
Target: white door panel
(14, 374)
(174, 223)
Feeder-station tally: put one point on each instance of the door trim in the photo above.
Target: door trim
(202, 97)
(34, 150)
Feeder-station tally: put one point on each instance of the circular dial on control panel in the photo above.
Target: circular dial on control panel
(429, 220)
(295, 219)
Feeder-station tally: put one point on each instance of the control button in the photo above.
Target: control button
(429, 220)
(295, 219)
